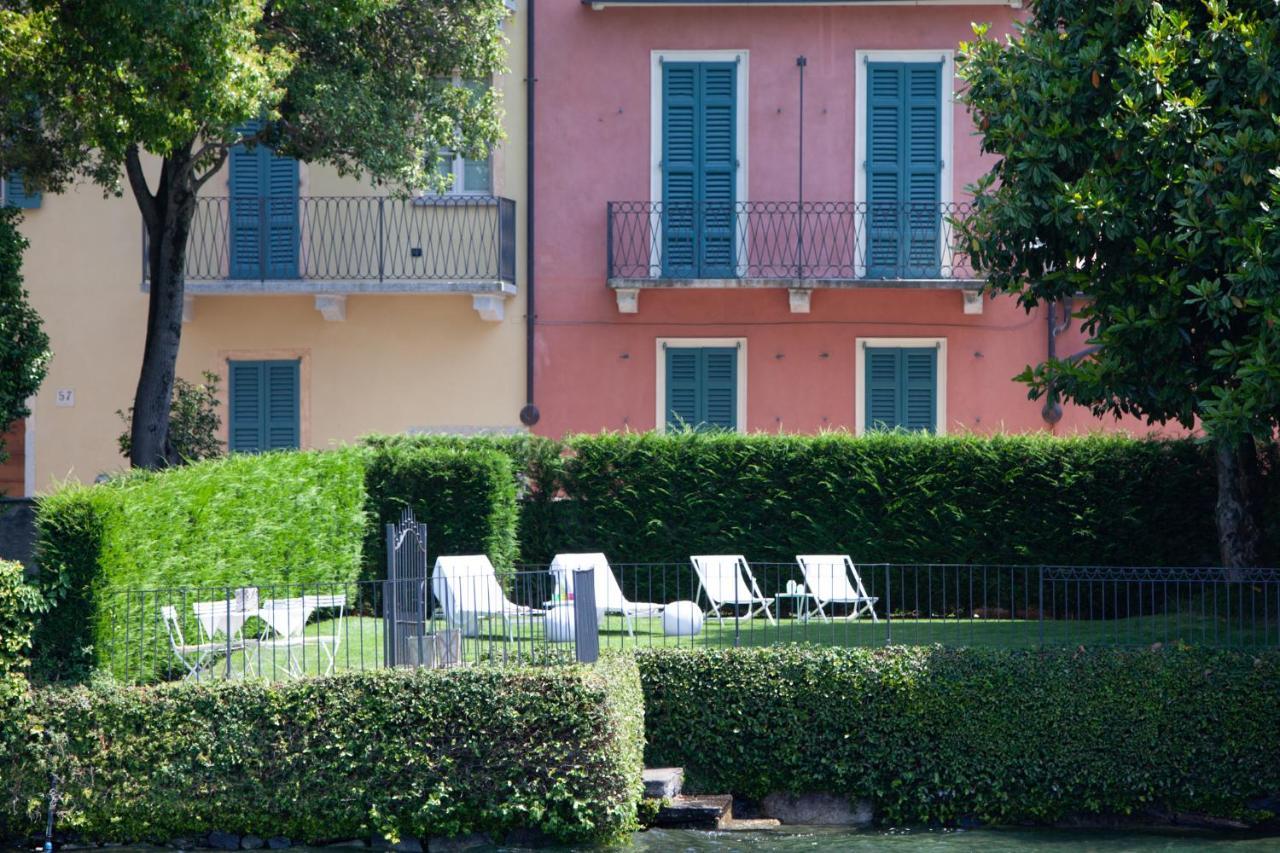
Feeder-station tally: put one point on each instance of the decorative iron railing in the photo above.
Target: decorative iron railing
(357, 239)
(785, 240)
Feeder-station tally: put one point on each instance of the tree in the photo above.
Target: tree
(24, 347)
(1138, 149)
(193, 420)
(364, 85)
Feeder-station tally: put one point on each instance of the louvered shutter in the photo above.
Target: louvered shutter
(720, 387)
(882, 388)
(719, 167)
(904, 169)
(281, 176)
(680, 83)
(245, 395)
(281, 416)
(922, 162)
(16, 193)
(919, 389)
(247, 193)
(264, 230)
(684, 387)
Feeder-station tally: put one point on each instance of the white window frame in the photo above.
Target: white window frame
(742, 141)
(946, 191)
(459, 165)
(664, 344)
(860, 374)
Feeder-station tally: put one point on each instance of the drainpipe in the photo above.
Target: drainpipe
(801, 62)
(529, 415)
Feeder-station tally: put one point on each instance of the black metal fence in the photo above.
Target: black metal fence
(819, 241)
(529, 616)
(453, 239)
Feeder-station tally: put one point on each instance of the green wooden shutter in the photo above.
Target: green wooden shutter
(680, 81)
(904, 169)
(264, 400)
(720, 387)
(684, 387)
(901, 388)
(699, 168)
(281, 425)
(245, 395)
(263, 212)
(922, 167)
(882, 388)
(717, 125)
(16, 193)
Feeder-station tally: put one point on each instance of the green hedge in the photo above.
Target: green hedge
(936, 735)
(467, 497)
(261, 519)
(419, 754)
(20, 603)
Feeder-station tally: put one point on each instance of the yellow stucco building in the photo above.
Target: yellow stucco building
(328, 308)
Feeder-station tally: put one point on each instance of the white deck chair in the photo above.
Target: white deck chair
(726, 580)
(609, 597)
(468, 591)
(194, 657)
(287, 620)
(828, 578)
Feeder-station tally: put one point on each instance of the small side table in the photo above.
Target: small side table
(803, 604)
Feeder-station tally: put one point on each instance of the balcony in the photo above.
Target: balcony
(765, 244)
(332, 247)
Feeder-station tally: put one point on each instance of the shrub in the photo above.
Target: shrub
(419, 753)
(467, 497)
(20, 602)
(262, 519)
(934, 735)
(194, 422)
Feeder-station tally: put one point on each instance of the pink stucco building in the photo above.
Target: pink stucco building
(742, 219)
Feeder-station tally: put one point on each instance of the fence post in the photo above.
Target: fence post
(1040, 606)
(263, 243)
(381, 238)
(586, 627)
(888, 604)
(226, 632)
(608, 242)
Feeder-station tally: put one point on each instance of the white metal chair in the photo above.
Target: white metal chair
(287, 619)
(468, 591)
(194, 657)
(609, 597)
(726, 580)
(828, 577)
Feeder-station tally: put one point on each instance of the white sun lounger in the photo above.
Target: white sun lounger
(609, 597)
(726, 581)
(468, 590)
(833, 579)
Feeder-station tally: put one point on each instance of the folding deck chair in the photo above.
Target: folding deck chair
(726, 581)
(828, 578)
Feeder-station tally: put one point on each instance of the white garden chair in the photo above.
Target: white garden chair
(226, 617)
(609, 597)
(726, 580)
(833, 579)
(194, 657)
(286, 619)
(468, 591)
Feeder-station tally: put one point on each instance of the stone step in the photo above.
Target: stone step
(709, 811)
(663, 782)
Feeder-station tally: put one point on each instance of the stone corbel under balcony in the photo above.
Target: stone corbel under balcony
(488, 298)
(799, 294)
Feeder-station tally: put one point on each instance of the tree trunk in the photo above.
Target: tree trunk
(1239, 534)
(168, 226)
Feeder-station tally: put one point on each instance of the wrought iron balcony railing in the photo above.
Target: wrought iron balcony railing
(360, 240)
(784, 241)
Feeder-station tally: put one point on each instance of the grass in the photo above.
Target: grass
(357, 641)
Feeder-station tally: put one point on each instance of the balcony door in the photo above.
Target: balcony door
(263, 214)
(904, 169)
(699, 169)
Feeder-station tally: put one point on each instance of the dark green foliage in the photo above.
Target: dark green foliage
(885, 497)
(421, 754)
(24, 347)
(467, 498)
(933, 735)
(194, 423)
(20, 603)
(261, 519)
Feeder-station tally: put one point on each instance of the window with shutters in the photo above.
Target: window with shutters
(901, 385)
(699, 114)
(14, 191)
(265, 404)
(904, 137)
(264, 232)
(700, 384)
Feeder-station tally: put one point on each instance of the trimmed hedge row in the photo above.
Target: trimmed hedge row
(896, 497)
(936, 735)
(419, 754)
